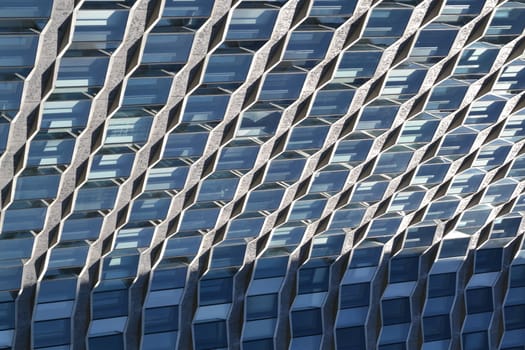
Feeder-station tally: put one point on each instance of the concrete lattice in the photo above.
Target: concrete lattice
(262, 174)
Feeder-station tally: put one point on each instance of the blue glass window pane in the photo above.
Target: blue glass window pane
(249, 24)
(259, 123)
(357, 65)
(167, 178)
(385, 22)
(48, 333)
(237, 158)
(199, 219)
(271, 267)
(307, 322)
(355, 295)
(40, 186)
(306, 210)
(120, 267)
(201, 108)
(90, 198)
(476, 60)
(430, 173)
(507, 21)
(440, 285)
(396, 311)
(110, 304)
(100, 25)
(446, 98)
(351, 338)
(365, 257)
(332, 8)
(282, 86)
(82, 228)
(328, 181)
(453, 247)
(477, 341)
(211, 335)
(128, 130)
(114, 342)
(227, 255)
(147, 91)
(185, 145)
(392, 162)
(404, 81)
(65, 114)
(517, 276)
(404, 269)
(434, 42)
(160, 48)
(159, 341)
(287, 170)
(187, 8)
(436, 328)
(227, 68)
(178, 247)
(479, 300)
(377, 117)
(488, 260)
(407, 201)
(24, 219)
(347, 218)
(17, 50)
(215, 291)
(161, 319)
(287, 236)
(112, 162)
(369, 192)
(15, 248)
(68, 256)
(10, 94)
(4, 133)
(7, 315)
(259, 329)
(352, 151)
(11, 277)
(51, 152)
(264, 344)
(82, 71)
(26, 9)
(332, 102)
(307, 45)
(261, 306)
(303, 138)
(313, 280)
(457, 144)
(418, 130)
(515, 317)
(57, 290)
(165, 279)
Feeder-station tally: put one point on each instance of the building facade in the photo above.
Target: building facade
(262, 174)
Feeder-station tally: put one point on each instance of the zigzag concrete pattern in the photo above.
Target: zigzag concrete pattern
(262, 174)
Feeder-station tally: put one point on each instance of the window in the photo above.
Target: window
(436, 328)
(313, 280)
(211, 335)
(307, 322)
(396, 311)
(161, 319)
(479, 300)
(261, 306)
(355, 295)
(440, 285)
(215, 291)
